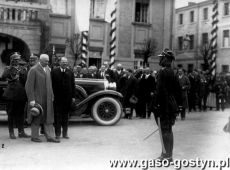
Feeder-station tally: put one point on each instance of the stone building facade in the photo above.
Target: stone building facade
(35, 26)
(136, 21)
(195, 21)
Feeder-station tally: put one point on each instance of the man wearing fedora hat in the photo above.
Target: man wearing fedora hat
(15, 95)
(39, 90)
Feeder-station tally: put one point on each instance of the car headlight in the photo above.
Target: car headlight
(110, 86)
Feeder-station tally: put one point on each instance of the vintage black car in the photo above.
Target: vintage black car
(95, 98)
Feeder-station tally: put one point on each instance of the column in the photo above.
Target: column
(16, 15)
(10, 14)
(5, 14)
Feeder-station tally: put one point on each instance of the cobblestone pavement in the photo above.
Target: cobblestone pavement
(92, 147)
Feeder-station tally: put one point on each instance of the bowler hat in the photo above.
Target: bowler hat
(36, 110)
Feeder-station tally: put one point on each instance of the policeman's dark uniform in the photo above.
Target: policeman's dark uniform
(15, 95)
(167, 99)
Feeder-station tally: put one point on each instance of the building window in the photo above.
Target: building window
(226, 38)
(192, 16)
(97, 9)
(180, 19)
(205, 13)
(191, 42)
(225, 68)
(141, 12)
(204, 40)
(59, 7)
(226, 8)
(138, 64)
(180, 43)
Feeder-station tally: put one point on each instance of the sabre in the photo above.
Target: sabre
(151, 134)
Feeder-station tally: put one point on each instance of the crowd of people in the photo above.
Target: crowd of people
(47, 94)
(199, 90)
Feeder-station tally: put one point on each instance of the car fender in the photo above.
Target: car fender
(98, 94)
(81, 90)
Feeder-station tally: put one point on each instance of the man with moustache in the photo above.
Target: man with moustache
(64, 93)
(39, 91)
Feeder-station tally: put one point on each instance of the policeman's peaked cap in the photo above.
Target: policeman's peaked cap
(15, 56)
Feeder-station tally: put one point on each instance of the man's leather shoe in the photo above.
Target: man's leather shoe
(36, 140)
(66, 137)
(12, 136)
(53, 140)
(57, 137)
(23, 135)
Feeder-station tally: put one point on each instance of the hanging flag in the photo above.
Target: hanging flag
(213, 56)
(84, 47)
(112, 7)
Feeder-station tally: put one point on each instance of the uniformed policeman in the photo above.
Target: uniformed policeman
(15, 95)
(167, 101)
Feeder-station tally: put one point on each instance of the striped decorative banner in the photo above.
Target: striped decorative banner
(113, 33)
(213, 56)
(84, 47)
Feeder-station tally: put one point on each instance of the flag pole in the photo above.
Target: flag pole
(214, 32)
(113, 33)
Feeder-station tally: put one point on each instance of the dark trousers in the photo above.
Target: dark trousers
(220, 102)
(141, 109)
(167, 136)
(183, 113)
(15, 112)
(149, 108)
(203, 100)
(61, 119)
(192, 101)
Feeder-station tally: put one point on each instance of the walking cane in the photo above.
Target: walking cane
(151, 134)
(161, 138)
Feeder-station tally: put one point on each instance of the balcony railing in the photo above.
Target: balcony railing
(9, 14)
(30, 1)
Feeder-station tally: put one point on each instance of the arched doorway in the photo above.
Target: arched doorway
(9, 44)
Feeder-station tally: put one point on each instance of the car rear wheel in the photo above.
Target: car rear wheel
(107, 111)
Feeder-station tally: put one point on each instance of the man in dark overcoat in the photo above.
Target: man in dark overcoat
(15, 95)
(118, 73)
(64, 95)
(141, 104)
(39, 91)
(129, 90)
(184, 87)
(101, 73)
(167, 99)
(149, 90)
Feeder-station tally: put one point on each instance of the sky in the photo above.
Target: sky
(82, 9)
(181, 3)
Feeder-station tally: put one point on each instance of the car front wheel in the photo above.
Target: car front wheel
(107, 111)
